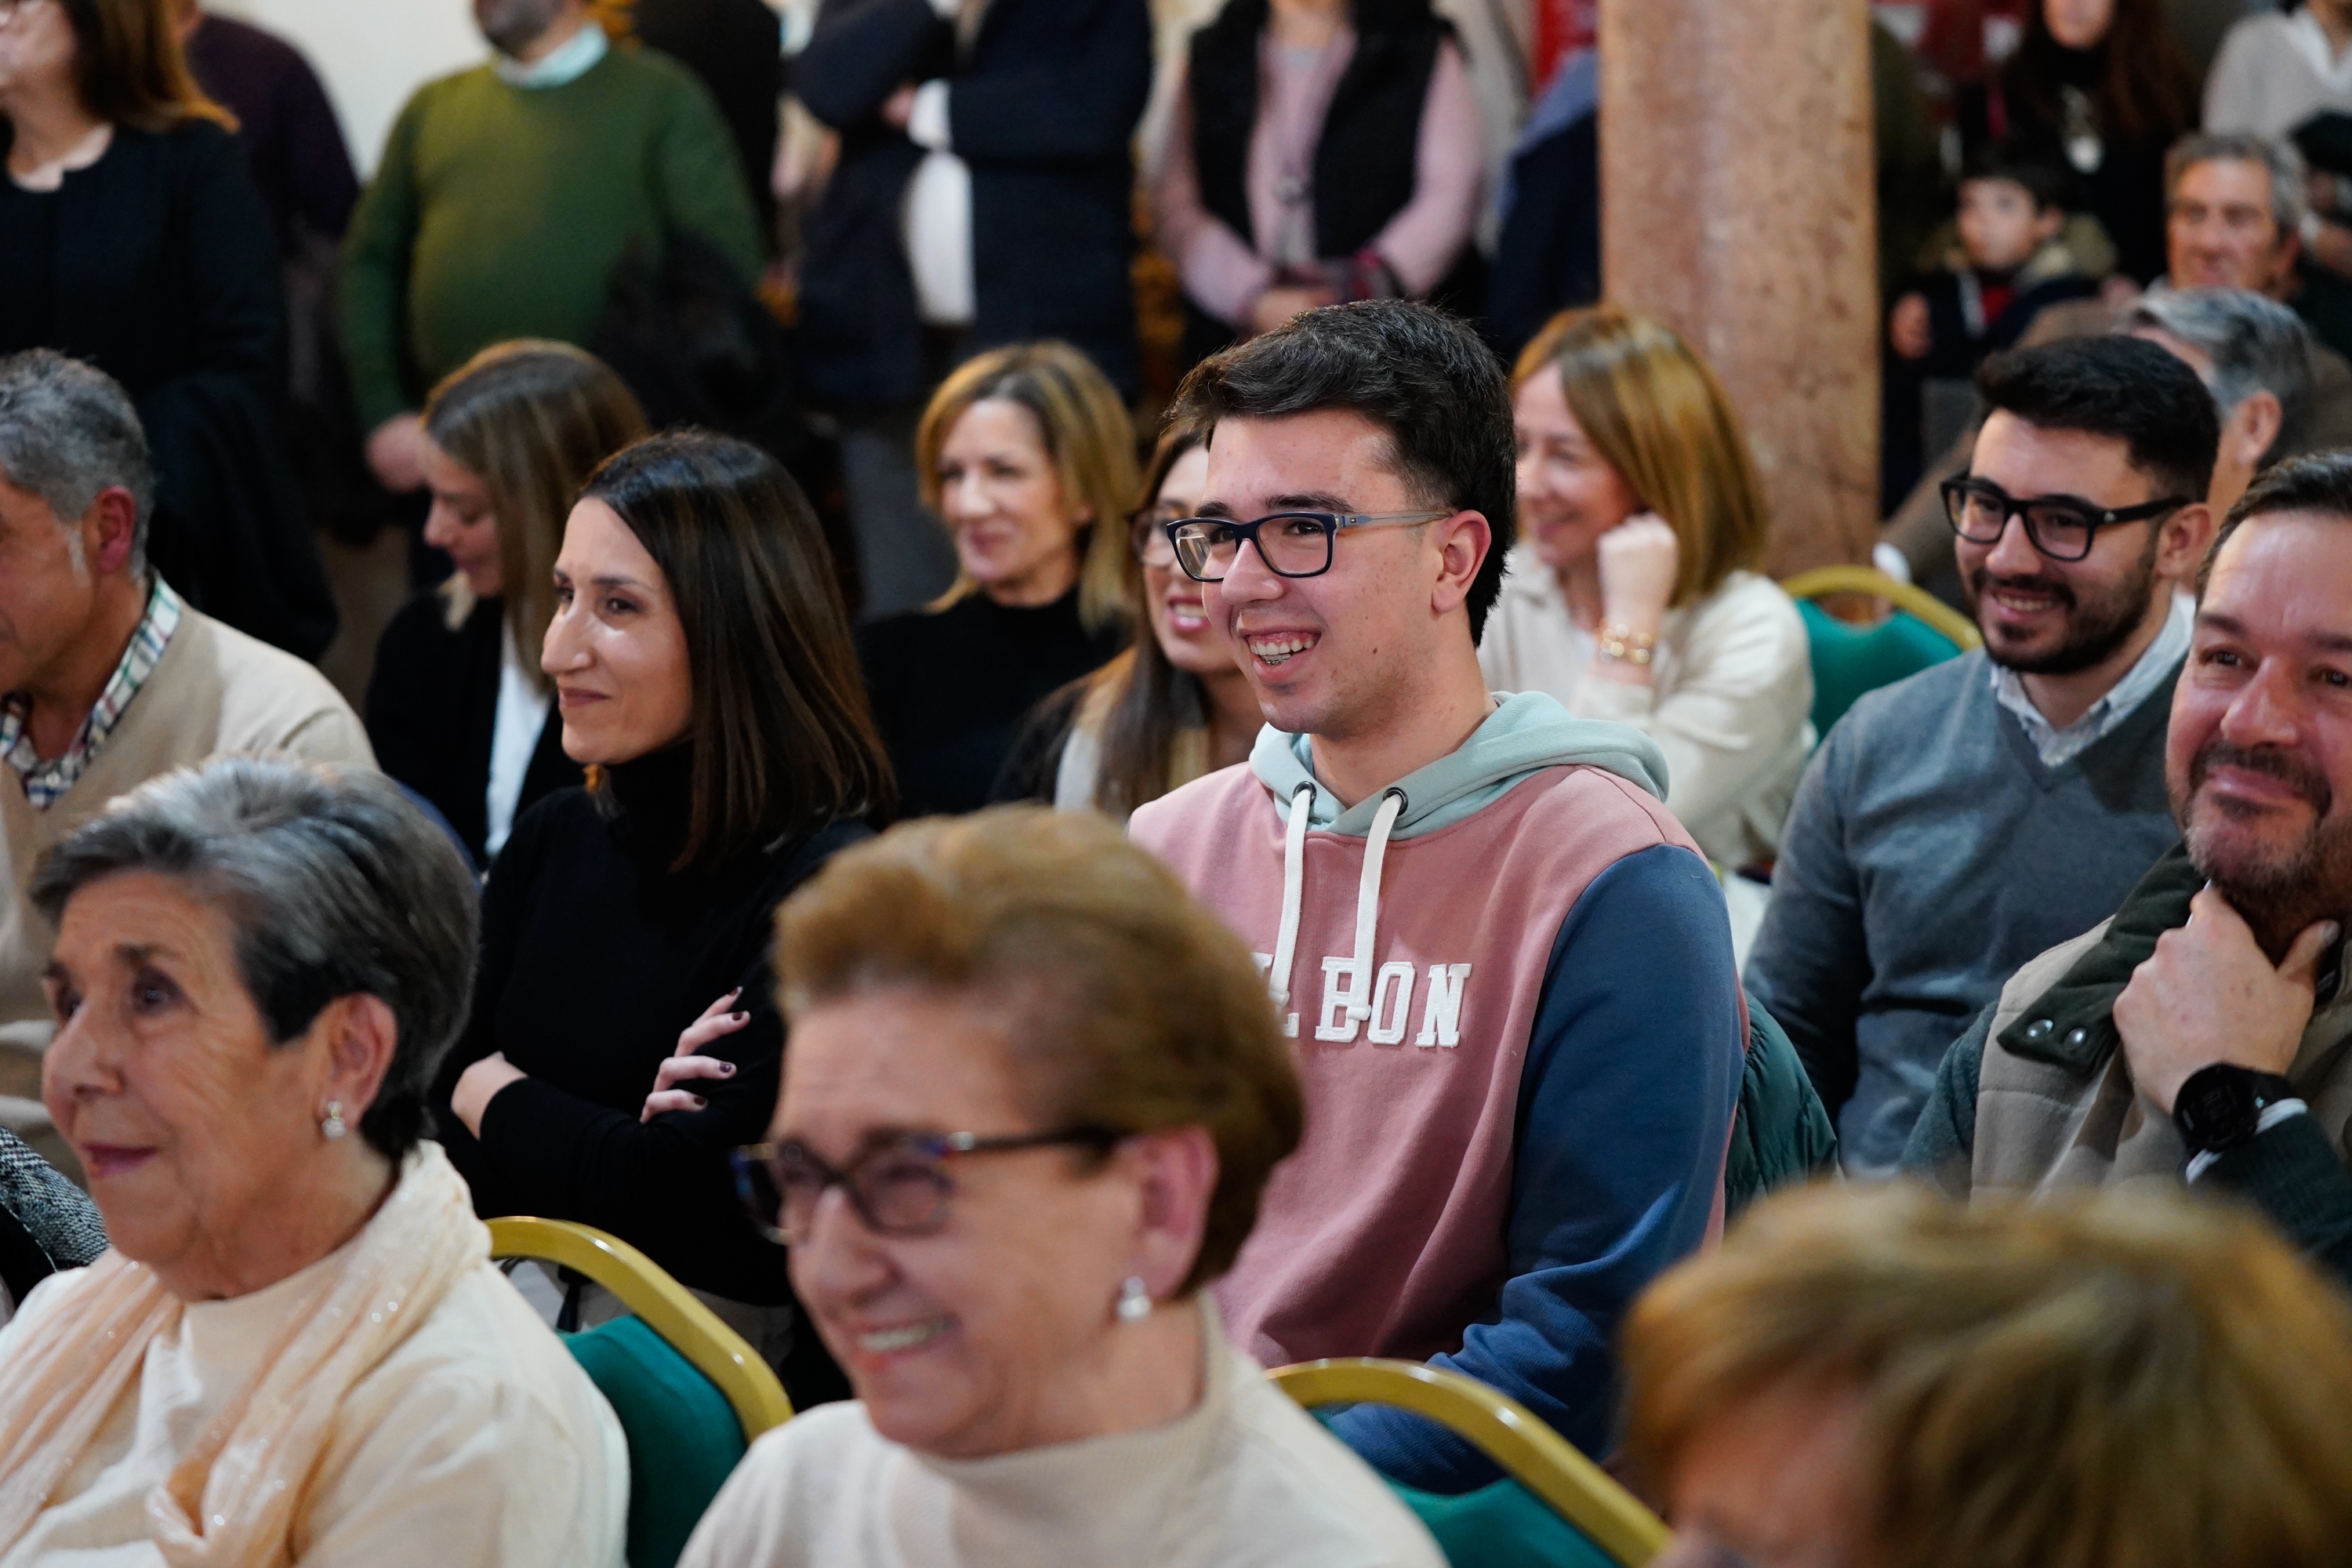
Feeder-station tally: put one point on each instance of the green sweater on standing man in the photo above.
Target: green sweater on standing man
(499, 211)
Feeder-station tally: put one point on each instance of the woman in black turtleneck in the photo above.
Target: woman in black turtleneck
(2099, 87)
(703, 670)
(1027, 454)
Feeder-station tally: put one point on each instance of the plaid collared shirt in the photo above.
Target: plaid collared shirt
(44, 781)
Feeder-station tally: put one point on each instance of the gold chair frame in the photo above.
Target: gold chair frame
(666, 1306)
(1906, 596)
(1503, 1429)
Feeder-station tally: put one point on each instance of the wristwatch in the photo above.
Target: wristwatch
(2220, 1107)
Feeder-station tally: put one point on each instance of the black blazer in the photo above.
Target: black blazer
(159, 265)
(1042, 110)
(432, 705)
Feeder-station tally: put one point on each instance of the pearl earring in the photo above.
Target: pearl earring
(1134, 1300)
(334, 1126)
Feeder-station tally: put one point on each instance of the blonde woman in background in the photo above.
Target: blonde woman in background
(1634, 592)
(457, 707)
(1025, 454)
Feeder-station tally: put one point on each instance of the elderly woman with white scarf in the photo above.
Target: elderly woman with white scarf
(296, 1349)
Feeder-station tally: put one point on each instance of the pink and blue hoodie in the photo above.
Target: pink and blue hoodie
(1510, 982)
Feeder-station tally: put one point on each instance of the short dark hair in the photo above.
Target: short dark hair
(783, 740)
(1417, 372)
(2125, 388)
(2042, 180)
(335, 884)
(2321, 482)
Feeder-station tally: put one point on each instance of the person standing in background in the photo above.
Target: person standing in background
(983, 196)
(2100, 85)
(132, 237)
(295, 151)
(736, 47)
(1321, 151)
(507, 195)
(291, 139)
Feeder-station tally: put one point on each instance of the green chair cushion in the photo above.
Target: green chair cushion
(1502, 1525)
(684, 1438)
(1849, 660)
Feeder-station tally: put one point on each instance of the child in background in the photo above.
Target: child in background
(2014, 252)
(2008, 263)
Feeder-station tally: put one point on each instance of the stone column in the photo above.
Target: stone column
(1737, 205)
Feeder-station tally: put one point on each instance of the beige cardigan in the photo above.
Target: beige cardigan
(214, 690)
(1730, 701)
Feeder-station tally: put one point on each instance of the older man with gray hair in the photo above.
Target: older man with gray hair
(106, 677)
(2254, 354)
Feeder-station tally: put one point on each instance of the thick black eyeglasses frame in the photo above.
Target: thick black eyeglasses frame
(1956, 491)
(936, 1146)
(1329, 523)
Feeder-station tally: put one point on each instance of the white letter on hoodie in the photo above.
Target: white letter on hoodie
(1395, 982)
(1440, 1024)
(1339, 989)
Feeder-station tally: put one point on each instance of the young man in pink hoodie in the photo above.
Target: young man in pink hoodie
(1506, 967)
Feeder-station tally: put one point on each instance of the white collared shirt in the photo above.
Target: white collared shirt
(571, 61)
(2057, 747)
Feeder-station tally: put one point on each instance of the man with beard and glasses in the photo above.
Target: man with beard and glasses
(1955, 824)
(505, 197)
(2202, 1033)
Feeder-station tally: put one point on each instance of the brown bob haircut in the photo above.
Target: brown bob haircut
(1086, 432)
(129, 68)
(531, 420)
(784, 741)
(1138, 1011)
(2121, 1381)
(1654, 411)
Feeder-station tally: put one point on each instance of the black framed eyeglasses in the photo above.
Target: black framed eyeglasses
(2059, 527)
(1291, 543)
(898, 1185)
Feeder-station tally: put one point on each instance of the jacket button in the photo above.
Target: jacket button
(2077, 1036)
(2040, 1028)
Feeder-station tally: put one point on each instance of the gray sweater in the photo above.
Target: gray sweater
(1929, 854)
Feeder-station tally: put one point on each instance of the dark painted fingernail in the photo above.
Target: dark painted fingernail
(742, 1017)
(700, 1102)
(726, 1070)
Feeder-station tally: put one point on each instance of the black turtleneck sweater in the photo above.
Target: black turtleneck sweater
(950, 689)
(594, 956)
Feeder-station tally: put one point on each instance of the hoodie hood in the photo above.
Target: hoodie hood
(1524, 734)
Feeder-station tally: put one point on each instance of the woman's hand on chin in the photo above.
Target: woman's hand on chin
(687, 1062)
(1639, 559)
(479, 1084)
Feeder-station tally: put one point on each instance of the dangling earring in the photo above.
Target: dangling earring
(1134, 1300)
(334, 1126)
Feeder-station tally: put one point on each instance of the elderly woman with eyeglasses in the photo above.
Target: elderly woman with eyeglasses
(1030, 1096)
(296, 1349)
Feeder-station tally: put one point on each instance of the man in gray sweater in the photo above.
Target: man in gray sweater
(1956, 824)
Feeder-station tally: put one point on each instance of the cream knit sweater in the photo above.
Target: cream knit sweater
(214, 690)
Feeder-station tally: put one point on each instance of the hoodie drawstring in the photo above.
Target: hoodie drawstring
(1294, 882)
(1368, 902)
